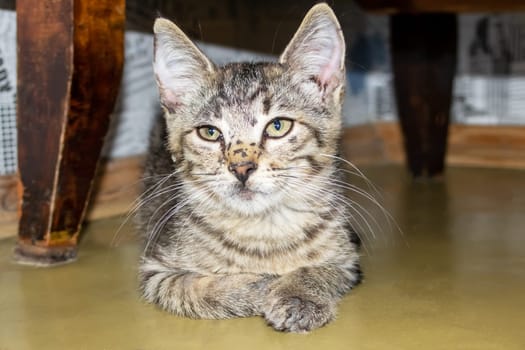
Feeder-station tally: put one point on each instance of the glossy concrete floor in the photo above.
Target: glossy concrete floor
(455, 280)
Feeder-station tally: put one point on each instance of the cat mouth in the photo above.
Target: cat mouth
(246, 193)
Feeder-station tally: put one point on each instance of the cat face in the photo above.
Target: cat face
(240, 134)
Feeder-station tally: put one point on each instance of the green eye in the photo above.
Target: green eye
(209, 133)
(278, 127)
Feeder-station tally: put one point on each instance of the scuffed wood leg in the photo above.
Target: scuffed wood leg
(424, 50)
(70, 56)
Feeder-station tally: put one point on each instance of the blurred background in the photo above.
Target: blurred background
(489, 87)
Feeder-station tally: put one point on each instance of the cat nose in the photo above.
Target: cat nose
(243, 170)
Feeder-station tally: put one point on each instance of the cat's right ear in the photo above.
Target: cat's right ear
(180, 67)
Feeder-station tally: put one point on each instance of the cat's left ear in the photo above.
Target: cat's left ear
(317, 49)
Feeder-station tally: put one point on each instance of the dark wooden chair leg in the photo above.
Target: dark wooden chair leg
(424, 50)
(70, 57)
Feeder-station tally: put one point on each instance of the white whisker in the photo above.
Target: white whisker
(316, 193)
(139, 201)
(333, 181)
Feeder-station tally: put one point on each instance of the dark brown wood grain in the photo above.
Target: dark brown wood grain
(45, 70)
(424, 64)
(70, 63)
(452, 6)
(98, 42)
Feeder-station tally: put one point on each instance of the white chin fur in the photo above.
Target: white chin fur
(249, 203)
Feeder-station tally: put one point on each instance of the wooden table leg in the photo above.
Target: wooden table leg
(424, 50)
(70, 56)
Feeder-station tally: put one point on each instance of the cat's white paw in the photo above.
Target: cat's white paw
(298, 314)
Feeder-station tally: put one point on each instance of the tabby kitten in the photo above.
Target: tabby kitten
(241, 213)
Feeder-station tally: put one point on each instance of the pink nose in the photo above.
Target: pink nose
(243, 170)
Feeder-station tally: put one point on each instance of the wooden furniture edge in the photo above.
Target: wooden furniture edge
(468, 145)
(379, 143)
(70, 60)
(116, 187)
(440, 6)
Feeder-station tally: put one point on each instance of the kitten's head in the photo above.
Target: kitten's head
(245, 134)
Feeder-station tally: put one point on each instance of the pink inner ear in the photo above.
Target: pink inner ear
(169, 96)
(332, 66)
(169, 99)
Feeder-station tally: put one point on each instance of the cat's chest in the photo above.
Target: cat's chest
(277, 229)
(279, 242)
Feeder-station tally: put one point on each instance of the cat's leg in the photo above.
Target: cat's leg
(307, 298)
(204, 296)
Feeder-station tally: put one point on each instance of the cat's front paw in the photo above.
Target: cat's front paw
(298, 314)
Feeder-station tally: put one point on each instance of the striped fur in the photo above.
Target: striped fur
(277, 244)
